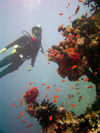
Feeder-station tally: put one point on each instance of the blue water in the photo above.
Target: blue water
(19, 15)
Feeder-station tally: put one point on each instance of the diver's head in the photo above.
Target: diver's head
(37, 30)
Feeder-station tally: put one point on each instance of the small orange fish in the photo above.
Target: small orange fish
(47, 93)
(54, 100)
(66, 50)
(56, 96)
(72, 87)
(60, 13)
(73, 67)
(63, 81)
(21, 100)
(21, 103)
(47, 87)
(77, 36)
(80, 0)
(71, 49)
(30, 83)
(69, 17)
(92, 17)
(90, 86)
(18, 117)
(86, 79)
(68, 116)
(11, 105)
(34, 87)
(46, 96)
(30, 125)
(77, 9)
(27, 87)
(73, 105)
(65, 102)
(50, 119)
(69, 29)
(21, 114)
(43, 84)
(60, 26)
(57, 89)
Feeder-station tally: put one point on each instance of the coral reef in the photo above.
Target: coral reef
(74, 54)
(79, 53)
(55, 119)
(70, 123)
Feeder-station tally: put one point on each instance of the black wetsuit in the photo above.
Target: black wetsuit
(27, 49)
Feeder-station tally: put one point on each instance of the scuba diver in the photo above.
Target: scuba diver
(25, 47)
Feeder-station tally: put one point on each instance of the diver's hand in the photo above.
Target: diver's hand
(30, 68)
(42, 51)
(3, 50)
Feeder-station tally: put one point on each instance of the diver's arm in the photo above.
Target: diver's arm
(32, 61)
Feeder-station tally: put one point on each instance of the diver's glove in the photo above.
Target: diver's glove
(3, 50)
(30, 68)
